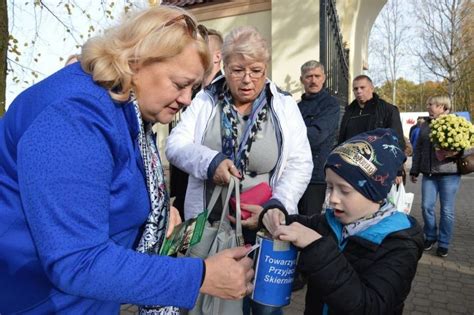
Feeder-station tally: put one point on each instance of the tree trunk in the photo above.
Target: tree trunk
(3, 53)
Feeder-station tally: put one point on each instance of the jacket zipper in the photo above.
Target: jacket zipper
(277, 168)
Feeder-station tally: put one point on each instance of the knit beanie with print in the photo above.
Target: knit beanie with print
(369, 162)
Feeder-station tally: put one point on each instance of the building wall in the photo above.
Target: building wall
(295, 40)
(260, 20)
(356, 19)
(292, 31)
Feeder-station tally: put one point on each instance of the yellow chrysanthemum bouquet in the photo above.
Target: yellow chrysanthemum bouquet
(450, 134)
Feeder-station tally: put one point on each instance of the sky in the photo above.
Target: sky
(411, 67)
(51, 40)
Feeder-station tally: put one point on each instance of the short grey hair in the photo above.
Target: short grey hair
(308, 65)
(247, 42)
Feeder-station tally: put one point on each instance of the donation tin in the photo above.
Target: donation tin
(275, 264)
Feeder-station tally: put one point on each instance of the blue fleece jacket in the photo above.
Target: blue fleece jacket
(72, 200)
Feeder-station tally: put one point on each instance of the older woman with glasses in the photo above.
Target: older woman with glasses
(83, 203)
(243, 125)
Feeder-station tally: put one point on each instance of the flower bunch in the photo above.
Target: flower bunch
(452, 133)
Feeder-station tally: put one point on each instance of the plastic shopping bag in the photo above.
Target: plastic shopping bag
(400, 198)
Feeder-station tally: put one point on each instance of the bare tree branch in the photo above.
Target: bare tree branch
(444, 51)
(392, 33)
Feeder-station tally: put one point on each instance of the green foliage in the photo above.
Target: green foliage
(411, 97)
(75, 19)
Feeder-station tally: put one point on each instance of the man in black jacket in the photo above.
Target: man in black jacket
(320, 112)
(368, 112)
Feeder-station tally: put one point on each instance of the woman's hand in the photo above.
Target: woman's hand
(300, 235)
(229, 274)
(252, 222)
(224, 171)
(413, 179)
(175, 219)
(272, 219)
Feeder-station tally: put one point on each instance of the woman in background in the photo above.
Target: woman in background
(439, 178)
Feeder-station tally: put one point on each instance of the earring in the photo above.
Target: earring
(133, 97)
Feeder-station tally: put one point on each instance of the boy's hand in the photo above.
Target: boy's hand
(300, 235)
(272, 219)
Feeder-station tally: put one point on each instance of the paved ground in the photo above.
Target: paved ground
(441, 285)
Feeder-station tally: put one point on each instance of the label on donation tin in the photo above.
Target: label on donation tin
(275, 263)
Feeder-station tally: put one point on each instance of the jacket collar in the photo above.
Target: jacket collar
(373, 101)
(131, 118)
(374, 234)
(313, 96)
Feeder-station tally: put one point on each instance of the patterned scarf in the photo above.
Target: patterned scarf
(239, 152)
(155, 227)
(364, 223)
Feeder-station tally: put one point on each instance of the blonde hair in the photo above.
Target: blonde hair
(247, 42)
(441, 100)
(139, 40)
(216, 37)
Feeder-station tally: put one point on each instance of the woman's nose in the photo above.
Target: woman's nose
(247, 77)
(185, 97)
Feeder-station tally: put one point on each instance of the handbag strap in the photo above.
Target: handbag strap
(234, 185)
(238, 213)
(212, 202)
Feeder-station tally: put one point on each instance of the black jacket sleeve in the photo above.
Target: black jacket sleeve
(396, 124)
(342, 129)
(323, 125)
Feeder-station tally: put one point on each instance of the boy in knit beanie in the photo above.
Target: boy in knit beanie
(361, 254)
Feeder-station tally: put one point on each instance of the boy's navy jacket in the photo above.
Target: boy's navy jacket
(369, 273)
(72, 200)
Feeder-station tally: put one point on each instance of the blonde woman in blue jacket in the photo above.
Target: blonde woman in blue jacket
(83, 201)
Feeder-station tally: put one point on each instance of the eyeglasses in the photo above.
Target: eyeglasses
(193, 29)
(241, 73)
